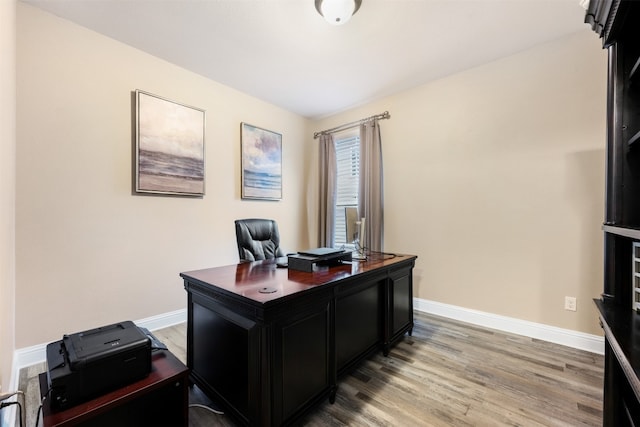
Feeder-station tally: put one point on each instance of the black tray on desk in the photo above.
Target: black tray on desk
(307, 262)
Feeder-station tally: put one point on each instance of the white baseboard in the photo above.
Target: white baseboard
(163, 320)
(36, 354)
(567, 337)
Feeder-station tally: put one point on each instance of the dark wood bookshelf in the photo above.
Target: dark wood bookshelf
(634, 138)
(617, 22)
(634, 69)
(622, 365)
(630, 232)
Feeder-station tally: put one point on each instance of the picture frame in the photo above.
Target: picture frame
(261, 163)
(170, 149)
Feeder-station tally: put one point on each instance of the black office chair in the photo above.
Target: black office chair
(258, 239)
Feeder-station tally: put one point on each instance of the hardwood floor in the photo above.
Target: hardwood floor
(449, 374)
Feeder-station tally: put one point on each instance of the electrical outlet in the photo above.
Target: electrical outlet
(570, 303)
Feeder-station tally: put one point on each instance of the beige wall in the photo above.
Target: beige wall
(494, 177)
(7, 187)
(88, 251)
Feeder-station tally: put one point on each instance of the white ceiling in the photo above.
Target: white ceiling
(283, 52)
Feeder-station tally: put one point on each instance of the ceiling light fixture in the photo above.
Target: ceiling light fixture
(337, 12)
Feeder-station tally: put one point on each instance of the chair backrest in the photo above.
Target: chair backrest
(258, 239)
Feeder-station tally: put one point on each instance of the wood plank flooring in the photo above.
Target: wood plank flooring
(447, 374)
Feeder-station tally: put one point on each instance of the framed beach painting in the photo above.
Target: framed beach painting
(261, 163)
(169, 147)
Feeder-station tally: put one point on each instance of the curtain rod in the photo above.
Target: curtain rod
(346, 126)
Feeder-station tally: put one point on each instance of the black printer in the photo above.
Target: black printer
(87, 364)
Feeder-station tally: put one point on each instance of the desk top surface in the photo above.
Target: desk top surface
(263, 281)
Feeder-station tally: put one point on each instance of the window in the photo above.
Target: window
(348, 166)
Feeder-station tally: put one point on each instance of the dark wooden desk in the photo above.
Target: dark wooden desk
(160, 399)
(269, 343)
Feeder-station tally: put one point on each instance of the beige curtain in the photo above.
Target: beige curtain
(371, 198)
(327, 178)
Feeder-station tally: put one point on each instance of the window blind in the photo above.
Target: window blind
(348, 170)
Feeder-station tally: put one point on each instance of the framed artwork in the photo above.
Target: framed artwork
(169, 147)
(261, 163)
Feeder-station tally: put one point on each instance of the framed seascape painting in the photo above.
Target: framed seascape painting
(169, 147)
(261, 163)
